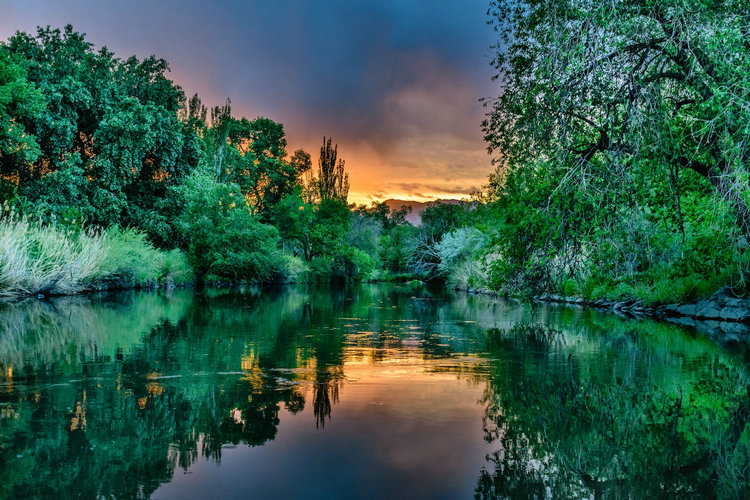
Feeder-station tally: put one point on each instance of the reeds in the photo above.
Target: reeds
(42, 259)
(38, 259)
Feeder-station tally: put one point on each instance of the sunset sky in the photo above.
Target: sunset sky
(395, 83)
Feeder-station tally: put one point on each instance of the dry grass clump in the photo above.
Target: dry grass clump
(37, 258)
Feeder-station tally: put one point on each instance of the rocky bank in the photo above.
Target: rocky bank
(723, 315)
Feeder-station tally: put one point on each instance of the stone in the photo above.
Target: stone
(555, 298)
(734, 313)
(579, 300)
(713, 324)
(702, 304)
(686, 310)
(683, 320)
(734, 302)
(708, 312)
(671, 308)
(722, 294)
(734, 328)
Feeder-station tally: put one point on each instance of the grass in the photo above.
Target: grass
(37, 258)
(660, 286)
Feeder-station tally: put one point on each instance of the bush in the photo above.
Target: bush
(357, 264)
(130, 261)
(459, 253)
(226, 241)
(293, 270)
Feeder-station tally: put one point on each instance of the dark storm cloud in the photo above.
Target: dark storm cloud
(396, 81)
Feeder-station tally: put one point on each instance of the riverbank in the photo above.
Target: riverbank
(723, 316)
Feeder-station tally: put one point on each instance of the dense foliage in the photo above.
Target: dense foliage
(90, 142)
(620, 139)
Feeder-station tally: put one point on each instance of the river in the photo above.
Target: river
(361, 391)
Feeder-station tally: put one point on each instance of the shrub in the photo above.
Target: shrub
(459, 253)
(130, 260)
(226, 240)
(292, 269)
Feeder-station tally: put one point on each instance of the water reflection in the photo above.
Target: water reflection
(626, 425)
(388, 393)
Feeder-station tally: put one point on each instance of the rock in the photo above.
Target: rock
(734, 313)
(708, 313)
(544, 297)
(555, 298)
(735, 302)
(735, 328)
(722, 294)
(686, 310)
(684, 321)
(671, 308)
(579, 300)
(619, 305)
(713, 325)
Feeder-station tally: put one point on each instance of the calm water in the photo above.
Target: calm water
(369, 391)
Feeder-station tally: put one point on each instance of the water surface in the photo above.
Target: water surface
(366, 391)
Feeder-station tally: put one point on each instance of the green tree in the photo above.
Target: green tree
(597, 89)
(333, 182)
(107, 126)
(20, 102)
(226, 241)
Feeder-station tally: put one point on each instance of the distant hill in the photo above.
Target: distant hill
(417, 207)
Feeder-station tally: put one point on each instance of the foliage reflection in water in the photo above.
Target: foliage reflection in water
(370, 391)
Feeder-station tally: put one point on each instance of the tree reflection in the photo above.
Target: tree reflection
(326, 393)
(570, 429)
(110, 397)
(214, 372)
